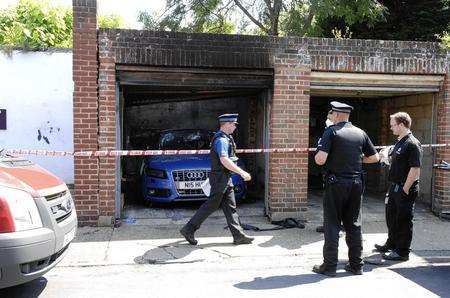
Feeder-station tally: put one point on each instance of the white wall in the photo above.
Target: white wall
(36, 90)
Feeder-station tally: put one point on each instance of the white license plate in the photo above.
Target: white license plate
(69, 237)
(189, 185)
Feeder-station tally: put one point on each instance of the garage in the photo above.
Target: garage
(375, 97)
(290, 79)
(177, 109)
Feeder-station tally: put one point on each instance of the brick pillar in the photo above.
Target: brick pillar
(289, 127)
(85, 109)
(107, 130)
(441, 198)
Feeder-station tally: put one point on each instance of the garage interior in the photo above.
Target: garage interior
(153, 100)
(375, 97)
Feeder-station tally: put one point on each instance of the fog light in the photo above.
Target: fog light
(159, 192)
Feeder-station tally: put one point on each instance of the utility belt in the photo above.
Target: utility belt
(332, 178)
(396, 186)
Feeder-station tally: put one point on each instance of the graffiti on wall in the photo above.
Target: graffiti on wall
(47, 132)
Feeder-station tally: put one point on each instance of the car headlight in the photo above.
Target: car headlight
(18, 211)
(156, 173)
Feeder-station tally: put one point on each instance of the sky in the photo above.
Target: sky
(127, 9)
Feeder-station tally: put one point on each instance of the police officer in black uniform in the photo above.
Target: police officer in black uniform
(404, 177)
(342, 150)
(223, 162)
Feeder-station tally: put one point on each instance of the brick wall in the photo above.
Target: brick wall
(209, 50)
(289, 127)
(107, 132)
(376, 56)
(442, 178)
(85, 109)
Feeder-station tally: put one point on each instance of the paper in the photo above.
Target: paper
(206, 187)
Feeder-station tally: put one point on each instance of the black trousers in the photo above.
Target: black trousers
(341, 206)
(399, 218)
(223, 198)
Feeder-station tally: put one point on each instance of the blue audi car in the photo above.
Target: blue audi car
(172, 178)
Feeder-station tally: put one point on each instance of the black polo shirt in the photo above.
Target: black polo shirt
(407, 154)
(345, 145)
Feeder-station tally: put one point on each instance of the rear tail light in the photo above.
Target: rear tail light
(18, 211)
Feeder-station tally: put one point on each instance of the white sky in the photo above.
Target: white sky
(128, 9)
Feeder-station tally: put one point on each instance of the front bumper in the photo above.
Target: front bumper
(164, 190)
(27, 255)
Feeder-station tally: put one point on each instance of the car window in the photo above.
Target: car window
(185, 140)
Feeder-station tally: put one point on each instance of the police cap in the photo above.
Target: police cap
(341, 107)
(228, 118)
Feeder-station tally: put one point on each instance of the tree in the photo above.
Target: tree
(111, 21)
(444, 40)
(35, 24)
(268, 17)
(405, 20)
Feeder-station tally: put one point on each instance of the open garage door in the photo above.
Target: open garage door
(375, 97)
(339, 84)
(177, 108)
(194, 78)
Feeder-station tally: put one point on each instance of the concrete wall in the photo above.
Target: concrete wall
(36, 91)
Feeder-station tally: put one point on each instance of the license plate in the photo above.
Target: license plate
(190, 185)
(69, 237)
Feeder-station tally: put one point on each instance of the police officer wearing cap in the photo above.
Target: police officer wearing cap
(223, 163)
(404, 176)
(342, 150)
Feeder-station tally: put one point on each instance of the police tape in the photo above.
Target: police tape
(110, 153)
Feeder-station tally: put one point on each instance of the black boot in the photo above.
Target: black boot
(382, 248)
(394, 256)
(188, 234)
(244, 239)
(353, 270)
(323, 269)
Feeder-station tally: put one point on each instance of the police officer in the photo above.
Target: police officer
(342, 149)
(223, 158)
(404, 177)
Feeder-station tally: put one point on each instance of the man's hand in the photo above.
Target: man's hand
(230, 165)
(406, 191)
(246, 176)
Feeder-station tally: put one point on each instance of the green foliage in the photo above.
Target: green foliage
(307, 17)
(35, 24)
(189, 16)
(111, 21)
(405, 20)
(338, 34)
(444, 39)
(265, 17)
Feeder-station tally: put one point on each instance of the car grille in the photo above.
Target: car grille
(190, 175)
(61, 205)
(56, 195)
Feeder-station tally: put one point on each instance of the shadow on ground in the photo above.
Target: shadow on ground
(433, 278)
(30, 289)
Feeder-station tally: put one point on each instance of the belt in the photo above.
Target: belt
(403, 183)
(348, 176)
